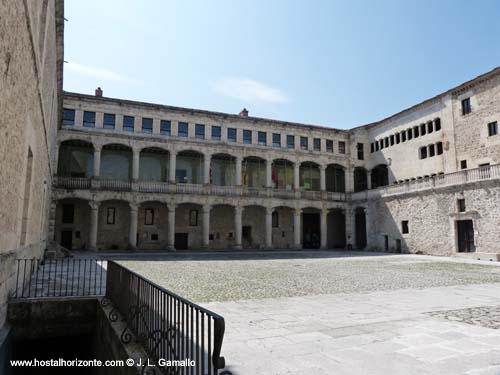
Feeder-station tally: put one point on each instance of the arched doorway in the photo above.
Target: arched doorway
(311, 228)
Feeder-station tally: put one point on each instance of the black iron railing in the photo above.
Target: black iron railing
(174, 331)
(60, 277)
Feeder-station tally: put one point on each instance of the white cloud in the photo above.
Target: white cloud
(250, 90)
(99, 73)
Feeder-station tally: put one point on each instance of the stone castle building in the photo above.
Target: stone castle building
(145, 176)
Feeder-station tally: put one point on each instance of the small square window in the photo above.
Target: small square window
(262, 138)
(231, 135)
(329, 145)
(216, 132)
(193, 218)
(154, 236)
(128, 123)
(68, 116)
(341, 147)
(247, 137)
(466, 107)
(405, 228)
(89, 119)
(182, 129)
(276, 140)
(463, 164)
(109, 121)
(492, 128)
(165, 127)
(290, 141)
(304, 143)
(147, 125)
(317, 144)
(200, 131)
(461, 205)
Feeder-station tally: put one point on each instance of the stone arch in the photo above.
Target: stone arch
(223, 169)
(154, 164)
(283, 233)
(253, 172)
(283, 174)
(189, 167)
(72, 220)
(116, 161)
(75, 158)
(152, 225)
(335, 178)
(379, 176)
(310, 176)
(222, 226)
(253, 219)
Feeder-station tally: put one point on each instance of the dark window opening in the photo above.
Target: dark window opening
(437, 124)
(199, 131)
(423, 152)
(409, 133)
(386, 141)
(463, 164)
(422, 129)
(290, 141)
(109, 121)
(303, 143)
(361, 153)
(262, 138)
(341, 147)
(381, 144)
(68, 116)
(461, 205)
(398, 138)
(416, 133)
(231, 134)
(317, 144)
(89, 119)
(466, 107)
(432, 150)
(430, 127)
(276, 140)
(216, 132)
(128, 123)
(329, 145)
(154, 236)
(405, 229)
(147, 125)
(165, 127)
(372, 147)
(247, 137)
(68, 213)
(439, 147)
(392, 140)
(403, 136)
(182, 129)
(275, 219)
(492, 128)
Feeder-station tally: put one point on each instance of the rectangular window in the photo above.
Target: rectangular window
(376, 146)
(199, 131)
(329, 145)
(466, 107)
(68, 116)
(149, 216)
(403, 136)
(405, 229)
(398, 138)
(437, 124)
(182, 129)
(386, 141)
(415, 132)
(109, 121)
(89, 119)
(262, 138)
(381, 144)
(423, 152)
(165, 127)
(432, 151)
(461, 205)
(110, 215)
(193, 218)
(463, 164)
(409, 133)
(68, 213)
(290, 141)
(231, 134)
(147, 125)
(361, 152)
(341, 147)
(492, 128)
(372, 147)
(275, 219)
(128, 123)
(392, 140)
(276, 140)
(422, 129)
(317, 144)
(430, 127)
(439, 147)
(216, 132)
(247, 137)
(303, 143)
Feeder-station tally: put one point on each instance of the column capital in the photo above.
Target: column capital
(325, 211)
(94, 205)
(298, 211)
(207, 208)
(133, 206)
(238, 210)
(97, 148)
(171, 206)
(322, 167)
(269, 210)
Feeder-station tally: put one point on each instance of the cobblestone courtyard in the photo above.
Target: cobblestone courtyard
(344, 313)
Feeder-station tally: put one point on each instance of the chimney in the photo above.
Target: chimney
(243, 113)
(98, 92)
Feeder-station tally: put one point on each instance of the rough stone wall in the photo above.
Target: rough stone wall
(283, 234)
(221, 227)
(112, 236)
(30, 82)
(432, 217)
(159, 227)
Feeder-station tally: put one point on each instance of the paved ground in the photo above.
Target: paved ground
(342, 313)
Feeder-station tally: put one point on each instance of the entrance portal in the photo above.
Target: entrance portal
(311, 231)
(181, 241)
(67, 239)
(465, 235)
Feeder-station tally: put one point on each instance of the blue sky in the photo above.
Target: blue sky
(325, 62)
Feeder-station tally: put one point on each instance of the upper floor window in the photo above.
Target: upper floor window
(231, 134)
(147, 125)
(262, 138)
(376, 146)
(466, 107)
(463, 164)
(341, 147)
(317, 144)
(89, 119)
(382, 144)
(68, 116)
(372, 147)
(432, 151)
(275, 219)
(109, 121)
(329, 145)
(290, 141)
(182, 129)
(423, 152)
(199, 131)
(439, 148)
(128, 123)
(430, 127)
(416, 133)
(398, 138)
(247, 137)
(276, 140)
(492, 128)
(392, 140)
(361, 152)
(303, 143)
(165, 127)
(216, 132)
(409, 134)
(437, 124)
(403, 136)
(386, 141)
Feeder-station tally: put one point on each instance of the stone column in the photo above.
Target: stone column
(239, 161)
(296, 176)
(135, 164)
(322, 177)
(269, 173)
(368, 180)
(237, 227)
(171, 227)
(269, 228)
(97, 161)
(94, 218)
(206, 226)
(297, 229)
(324, 228)
(132, 235)
(172, 167)
(367, 228)
(206, 168)
(353, 227)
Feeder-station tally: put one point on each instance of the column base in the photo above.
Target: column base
(297, 247)
(237, 247)
(171, 248)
